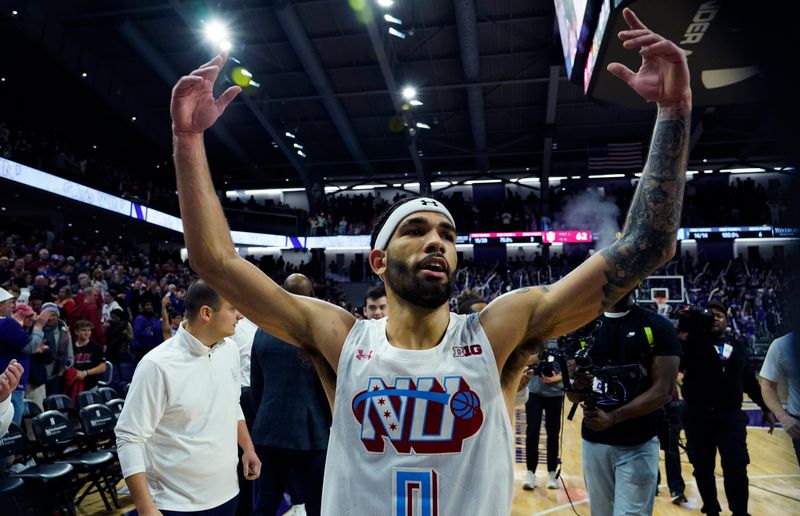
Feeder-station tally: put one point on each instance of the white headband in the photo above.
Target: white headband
(403, 211)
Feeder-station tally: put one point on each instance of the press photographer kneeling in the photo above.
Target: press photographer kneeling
(626, 377)
(716, 373)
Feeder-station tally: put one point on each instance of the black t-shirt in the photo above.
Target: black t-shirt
(87, 357)
(634, 338)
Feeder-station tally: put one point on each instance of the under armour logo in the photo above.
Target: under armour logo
(425, 203)
(361, 354)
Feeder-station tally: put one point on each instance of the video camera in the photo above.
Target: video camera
(695, 320)
(611, 380)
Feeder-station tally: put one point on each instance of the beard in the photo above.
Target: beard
(418, 291)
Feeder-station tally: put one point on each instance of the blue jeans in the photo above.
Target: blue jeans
(18, 402)
(621, 480)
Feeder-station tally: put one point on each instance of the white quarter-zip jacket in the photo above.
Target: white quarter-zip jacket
(179, 423)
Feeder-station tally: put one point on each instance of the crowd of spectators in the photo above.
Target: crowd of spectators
(711, 200)
(109, 301)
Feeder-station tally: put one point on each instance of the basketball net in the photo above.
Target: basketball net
(663, 307)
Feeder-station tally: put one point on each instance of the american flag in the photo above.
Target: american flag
(616, 156)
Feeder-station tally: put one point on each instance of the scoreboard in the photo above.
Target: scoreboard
(725, 233)
(527, 237)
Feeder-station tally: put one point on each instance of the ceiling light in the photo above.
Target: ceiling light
(423, 125)
(385, 3)
(133, 119)
(396, 33)
(415, 102)
(84, 75)
(409, 93)
(391, 19)
(298, 146)
(216, 32)
(605, 176)
(225, 45)
(301, 154)
(290, 135)
(742, 170)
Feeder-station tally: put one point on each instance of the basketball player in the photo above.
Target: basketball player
(419, 419)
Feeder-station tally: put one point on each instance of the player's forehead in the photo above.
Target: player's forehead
(378, 301)
(433, 218)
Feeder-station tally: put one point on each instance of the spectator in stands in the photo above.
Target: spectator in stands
(16, 343)
(109, 304)
(59, 346)
(119, 335)
(65, 301)
(89, 310)
(177, 433)
(88, 355)
(147, 331)
(9, 379)
(5, 273)
(98, 280)
(375, 303)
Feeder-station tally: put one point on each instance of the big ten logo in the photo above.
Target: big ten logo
(423, 416)
(467, 351)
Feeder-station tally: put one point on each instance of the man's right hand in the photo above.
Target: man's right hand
(9, 379)
(193, 107)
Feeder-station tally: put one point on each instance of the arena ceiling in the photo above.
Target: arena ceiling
(331, 75)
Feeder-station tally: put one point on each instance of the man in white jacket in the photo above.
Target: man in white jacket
(177, 434)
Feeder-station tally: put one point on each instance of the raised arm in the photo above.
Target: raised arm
(299, 320)
(648, 238)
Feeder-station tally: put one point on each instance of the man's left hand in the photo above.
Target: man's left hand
(768, 418)
(251, 465)
(598, 420)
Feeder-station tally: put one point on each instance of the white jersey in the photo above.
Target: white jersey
(419, 433)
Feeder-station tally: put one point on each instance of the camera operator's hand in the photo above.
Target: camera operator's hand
(582, 380)
(524, 378)
(598, 420)
(553, 378)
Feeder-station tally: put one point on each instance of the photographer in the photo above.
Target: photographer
(546, 394)
(620, 421)
(716, 373)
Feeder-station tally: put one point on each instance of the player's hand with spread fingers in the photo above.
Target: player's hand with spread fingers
(663, 76)
(193, 106)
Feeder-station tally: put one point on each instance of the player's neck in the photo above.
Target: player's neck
(412, 327)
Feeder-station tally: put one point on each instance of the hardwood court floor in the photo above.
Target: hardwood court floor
(773, 471)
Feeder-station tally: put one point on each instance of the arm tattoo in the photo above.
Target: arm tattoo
(655, 212)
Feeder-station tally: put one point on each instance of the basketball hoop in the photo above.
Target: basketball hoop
(663, 306)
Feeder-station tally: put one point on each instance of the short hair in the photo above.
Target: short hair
(382, 221)
(465, 306)
(198, 296)
(718, 305)
(376, 292)
(89, 290)
(83, 324)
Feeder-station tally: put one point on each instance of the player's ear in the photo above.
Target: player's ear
(377, 261)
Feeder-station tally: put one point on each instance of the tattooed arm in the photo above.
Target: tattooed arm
(526, 317)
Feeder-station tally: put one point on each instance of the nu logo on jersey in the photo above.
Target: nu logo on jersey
(423, 417)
